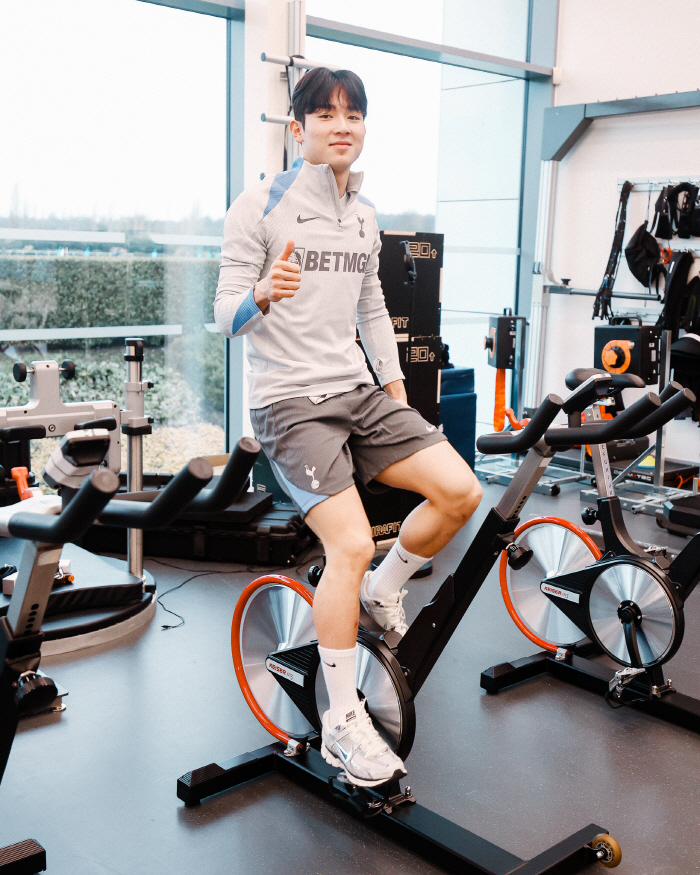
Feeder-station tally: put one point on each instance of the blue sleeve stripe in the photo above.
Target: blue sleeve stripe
(280, 184)
(245, 312)
(365, 201)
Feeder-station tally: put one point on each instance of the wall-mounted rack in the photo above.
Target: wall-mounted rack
(655, 183)
(567, 290)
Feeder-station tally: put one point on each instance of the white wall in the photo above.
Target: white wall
(626, 48)
(609, 51)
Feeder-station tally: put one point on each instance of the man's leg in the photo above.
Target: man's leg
(341, 524)
(452, 491)
(452, 495)
(349, 739)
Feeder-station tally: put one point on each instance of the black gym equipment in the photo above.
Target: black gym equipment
(681, 515)
(626, 602)
(105, 599)
(23, 689)
(276, 661)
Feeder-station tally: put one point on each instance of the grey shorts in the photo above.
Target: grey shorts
(315, 448)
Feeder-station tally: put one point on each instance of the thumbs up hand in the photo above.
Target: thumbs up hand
(281, 282)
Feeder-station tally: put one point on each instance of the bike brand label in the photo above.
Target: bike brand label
(560, 593)
(294, 676)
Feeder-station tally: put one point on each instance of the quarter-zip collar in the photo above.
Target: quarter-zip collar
(355, 178)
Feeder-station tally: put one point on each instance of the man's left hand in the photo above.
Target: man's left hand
(397, 391)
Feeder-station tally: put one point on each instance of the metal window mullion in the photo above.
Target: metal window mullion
(437, 52)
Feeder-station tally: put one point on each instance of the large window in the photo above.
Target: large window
(492, 27)
(112, 198)
(444, 153)
(400, 157)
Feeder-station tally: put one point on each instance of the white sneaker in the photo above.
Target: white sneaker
(359, 750)
(388, 613)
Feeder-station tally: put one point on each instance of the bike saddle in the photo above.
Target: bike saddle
(619, 381)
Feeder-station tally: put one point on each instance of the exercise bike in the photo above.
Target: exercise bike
(276, 662)
(576, 601)
(46, 524)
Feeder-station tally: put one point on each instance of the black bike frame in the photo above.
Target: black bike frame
(427, 636)
(649, 690)
(684, 570)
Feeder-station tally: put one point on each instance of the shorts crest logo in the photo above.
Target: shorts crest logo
(314, 482)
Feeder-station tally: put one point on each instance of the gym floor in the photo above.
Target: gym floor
(96, 784)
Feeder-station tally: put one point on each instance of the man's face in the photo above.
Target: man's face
(332, 136)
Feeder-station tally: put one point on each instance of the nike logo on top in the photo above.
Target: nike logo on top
(310, 219)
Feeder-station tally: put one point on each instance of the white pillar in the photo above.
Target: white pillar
(267, 29)
(266, 26)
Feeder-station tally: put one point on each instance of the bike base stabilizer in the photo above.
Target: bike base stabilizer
(439, 840)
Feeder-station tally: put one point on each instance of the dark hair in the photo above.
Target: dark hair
(315, 90)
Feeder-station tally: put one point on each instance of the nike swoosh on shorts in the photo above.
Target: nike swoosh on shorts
(301, 221)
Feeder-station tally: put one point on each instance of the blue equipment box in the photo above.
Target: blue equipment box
(458, 411)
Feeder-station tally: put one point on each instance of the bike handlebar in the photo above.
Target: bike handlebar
(605, 430)
(671, 407)
(75, 519)
(168, 505)
(233, 479)
(670, 390)
(517, 442)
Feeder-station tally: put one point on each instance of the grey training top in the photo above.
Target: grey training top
(305, 345)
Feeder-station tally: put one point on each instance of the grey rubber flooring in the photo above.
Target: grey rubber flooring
(525, 768)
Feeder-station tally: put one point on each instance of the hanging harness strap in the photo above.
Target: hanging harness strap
(664, 215)
(601, 306)
(676, 293)
(685, 208)
(690, 312)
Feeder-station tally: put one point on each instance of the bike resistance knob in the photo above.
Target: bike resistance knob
(313, 575)
(589, 515)
(518, 556)
(34, 693)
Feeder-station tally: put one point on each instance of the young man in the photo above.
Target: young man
(298, 274)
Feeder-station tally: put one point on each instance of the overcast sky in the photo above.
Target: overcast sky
(115, 107)
(112, 107)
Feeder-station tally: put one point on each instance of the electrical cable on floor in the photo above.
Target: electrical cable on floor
(165, 627)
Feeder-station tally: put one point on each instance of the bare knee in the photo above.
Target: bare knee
(355, 552)
(459, 499)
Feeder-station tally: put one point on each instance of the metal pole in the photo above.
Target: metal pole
(296, 42)
(664, 376)
(516, 385)
(134, 426)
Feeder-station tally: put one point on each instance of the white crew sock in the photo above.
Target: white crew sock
(397, 567)
(339, 674)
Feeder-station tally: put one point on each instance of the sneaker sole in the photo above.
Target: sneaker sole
(360, 782)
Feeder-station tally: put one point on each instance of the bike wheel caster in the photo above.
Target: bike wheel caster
(555, 490)
(607, 850)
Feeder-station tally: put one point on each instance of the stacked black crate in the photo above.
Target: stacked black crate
(414, 308)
